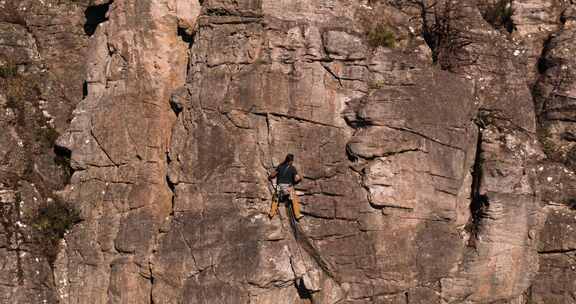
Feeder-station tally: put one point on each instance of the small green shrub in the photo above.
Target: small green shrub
(548, 146)
(51, 223)
(260, 61)
(16, 88)
(20, 90)
(16, 93)
(12, 104)
(8, 71)
(547, 141)
(376, 84)
(381, 35)
(47, 135)
(500, 15)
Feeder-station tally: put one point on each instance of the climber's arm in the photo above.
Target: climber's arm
(273, 175)
(297, 178)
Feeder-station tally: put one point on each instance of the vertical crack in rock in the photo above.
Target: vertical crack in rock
(151, 282)
(542, 63)
(172, 187)
(186, 36)
(303, 292)
(541, 101)
(84, 89)
(305, 243)
(479, 202)
(186, 32)
(94, 16)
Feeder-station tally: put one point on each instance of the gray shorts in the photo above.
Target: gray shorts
(284, 189)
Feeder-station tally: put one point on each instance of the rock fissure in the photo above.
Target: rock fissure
(479, 202)
(93, 137)
(95, 15)
(336, 77)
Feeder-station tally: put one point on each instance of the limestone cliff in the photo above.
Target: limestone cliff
(436, 140)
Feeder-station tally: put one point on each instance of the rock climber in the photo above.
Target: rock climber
(286, 177)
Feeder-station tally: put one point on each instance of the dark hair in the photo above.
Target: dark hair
(288, 159)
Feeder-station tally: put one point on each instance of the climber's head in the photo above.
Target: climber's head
(289, 159)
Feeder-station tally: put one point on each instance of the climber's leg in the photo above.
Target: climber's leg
(295, 204)
(273, 207)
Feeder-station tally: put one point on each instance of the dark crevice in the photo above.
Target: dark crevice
(171, 185)
(287, 116)
(336, 77)
(84, 89)
(351, 155)
(382, 207)
(94, 16)
(528, 295)
(188, 38)
(568, 136)
(543, 63)
(62, 157)
(557, 251)
(152, 281)
(480, 203)
(303, 291)
(360, 123)
(176, 106)
(185, 35)
(218, 12)
(571, 203)
(499, 15)
(172, 188)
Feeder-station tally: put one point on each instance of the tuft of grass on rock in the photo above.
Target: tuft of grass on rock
(376, 84)
(47, 135)
(8, 71)
(381, 35)
(51, 222)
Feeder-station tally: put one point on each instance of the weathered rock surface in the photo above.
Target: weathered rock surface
(435, 139)
(41, 71)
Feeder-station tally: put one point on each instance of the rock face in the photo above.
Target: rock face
(434, 138)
